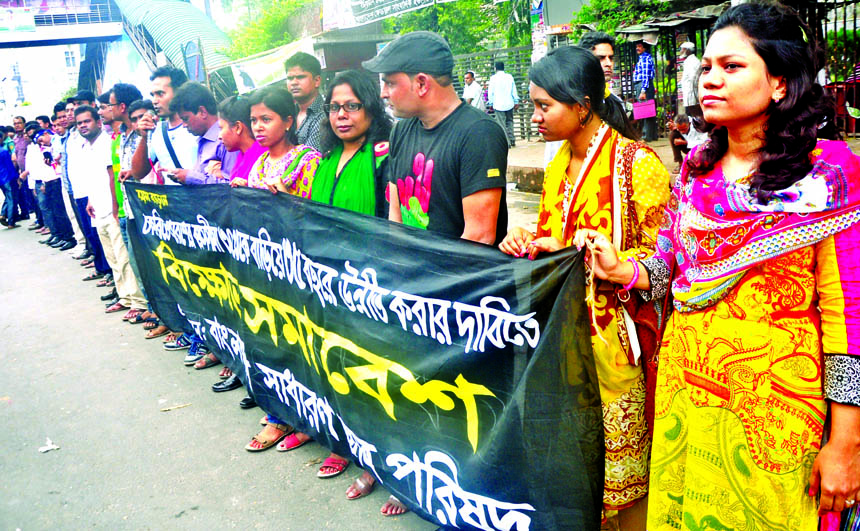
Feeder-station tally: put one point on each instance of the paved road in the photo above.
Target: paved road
(95, 387)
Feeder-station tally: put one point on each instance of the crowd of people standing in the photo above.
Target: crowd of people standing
(723, 301)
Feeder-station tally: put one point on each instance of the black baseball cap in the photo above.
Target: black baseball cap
(419, 51)
(84, 95)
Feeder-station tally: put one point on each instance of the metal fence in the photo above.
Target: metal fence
(81, 12)
(836, 26)
(517, 62)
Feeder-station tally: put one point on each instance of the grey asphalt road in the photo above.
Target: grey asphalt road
(94, 386)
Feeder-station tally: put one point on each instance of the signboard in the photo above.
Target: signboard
(264, 69)
(340, 14)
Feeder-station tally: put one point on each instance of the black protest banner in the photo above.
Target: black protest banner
(461, 378)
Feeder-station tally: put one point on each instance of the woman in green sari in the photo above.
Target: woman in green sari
(355, 145)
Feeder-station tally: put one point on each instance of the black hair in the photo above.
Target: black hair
(140, 104)
(70, 99)
(280, 100)
(593, 38)
(61, 106)
(32, 125)
(43, 118)
(645, 45)
(500, 65)
(125, 93)
(682, 119)
(20, 118)
(81, 109)
(104, 98)
(571, 74)
(190, 97)
(177, 76)
(305, 61)
(366, 90)
(787, 47)
(236, 109)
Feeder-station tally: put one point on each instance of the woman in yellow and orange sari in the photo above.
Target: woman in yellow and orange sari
(602, 180)
(759, 247)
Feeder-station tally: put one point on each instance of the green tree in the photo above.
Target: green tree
(841, 47)
(608, 15)
(469, 25)
(265, 27)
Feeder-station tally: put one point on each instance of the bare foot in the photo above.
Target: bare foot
(393, 507)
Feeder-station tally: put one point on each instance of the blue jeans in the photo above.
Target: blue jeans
(34, 200)
(56, 210)
(8, 210)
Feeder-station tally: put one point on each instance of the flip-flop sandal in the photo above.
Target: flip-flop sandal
(132, 314)
(392, 501)
(223, 374)
(150, 323)
(268, 443)
(95, 275)
(362, 487)
(336, 463)
(291, 443)
(139, 318)
(157, 332)
(103, 283)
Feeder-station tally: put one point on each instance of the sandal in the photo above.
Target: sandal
(172, 336)
(361, 487)
(157, 332)
(209, 360)
(95, 275)
(396, 505)
(103, 283)
(259, 442)
(335, 465)
(141, 317)
(134, 313)
(225, 373)
(150, 322)
(292, 442)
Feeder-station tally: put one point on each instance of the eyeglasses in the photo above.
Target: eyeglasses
(335, 108)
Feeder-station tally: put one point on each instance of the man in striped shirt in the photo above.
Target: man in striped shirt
(643, 83)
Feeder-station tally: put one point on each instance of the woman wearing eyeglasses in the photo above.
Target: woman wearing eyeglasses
(355, 146)
(350, 176)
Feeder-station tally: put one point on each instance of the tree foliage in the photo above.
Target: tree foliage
(264, 29)
(841, 49)
(469, 25)
(608, 15)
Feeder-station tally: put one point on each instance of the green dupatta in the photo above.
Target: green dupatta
(355, 188)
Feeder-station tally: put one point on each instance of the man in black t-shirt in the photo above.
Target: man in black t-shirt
(447, 160)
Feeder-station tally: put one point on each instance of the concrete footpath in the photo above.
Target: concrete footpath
(94, 386)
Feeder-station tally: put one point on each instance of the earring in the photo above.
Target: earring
(776, 101)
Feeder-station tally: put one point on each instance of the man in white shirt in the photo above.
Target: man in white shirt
(41, 170)
(502, 96)
(689, 78)
(153, 150)
(473, 94)
(96, 159)
(683, 137)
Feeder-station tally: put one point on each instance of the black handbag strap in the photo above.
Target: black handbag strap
(169, 145)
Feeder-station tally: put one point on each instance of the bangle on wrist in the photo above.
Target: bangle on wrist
(633, 280)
